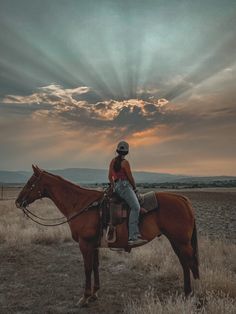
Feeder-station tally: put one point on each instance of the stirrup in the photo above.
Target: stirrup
(110, 229)
(116, 249)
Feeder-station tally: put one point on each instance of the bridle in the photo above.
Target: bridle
(33, 216)
(32, 187)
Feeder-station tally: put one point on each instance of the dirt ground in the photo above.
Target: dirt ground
(49, 279)
(40, 278)
(215, 211)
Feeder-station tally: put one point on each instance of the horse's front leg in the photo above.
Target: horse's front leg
(96, 285)
(87, 250)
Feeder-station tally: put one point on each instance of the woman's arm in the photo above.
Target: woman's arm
(110, 177)
(126, 166)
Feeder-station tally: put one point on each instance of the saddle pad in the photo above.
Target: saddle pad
(148, 200)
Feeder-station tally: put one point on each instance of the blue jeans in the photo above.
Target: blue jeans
(124, 189)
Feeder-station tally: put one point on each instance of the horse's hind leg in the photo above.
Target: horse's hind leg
(96, 285)
(194, 265)
(184, 253)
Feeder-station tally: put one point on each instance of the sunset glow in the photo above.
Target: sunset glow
(76, 77)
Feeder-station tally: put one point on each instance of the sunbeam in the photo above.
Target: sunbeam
(158, 73)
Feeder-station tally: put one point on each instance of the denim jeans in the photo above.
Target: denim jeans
(124, 189)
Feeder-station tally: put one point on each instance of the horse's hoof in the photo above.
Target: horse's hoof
(94, 297)
(189, 294)
(83, 302)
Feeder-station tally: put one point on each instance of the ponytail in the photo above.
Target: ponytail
(117, 163)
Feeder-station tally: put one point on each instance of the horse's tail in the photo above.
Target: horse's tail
(194, 242)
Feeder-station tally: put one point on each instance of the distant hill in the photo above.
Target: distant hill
(91, 176)
(14, 176)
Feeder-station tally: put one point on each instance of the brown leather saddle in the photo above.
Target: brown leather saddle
(114, 210)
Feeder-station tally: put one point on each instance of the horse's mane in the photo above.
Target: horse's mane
(76, 186)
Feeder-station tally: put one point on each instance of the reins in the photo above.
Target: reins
(29, 214)
(41, 218)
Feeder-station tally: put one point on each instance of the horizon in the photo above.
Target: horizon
(134, 170)
(77, 77)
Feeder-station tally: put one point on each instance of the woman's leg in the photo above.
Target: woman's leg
(128, 194)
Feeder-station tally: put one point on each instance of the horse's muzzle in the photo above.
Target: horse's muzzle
(20, 204)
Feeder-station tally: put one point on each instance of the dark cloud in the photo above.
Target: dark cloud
(90, 97)
(150, 107)
(130, 116)
(101, 106)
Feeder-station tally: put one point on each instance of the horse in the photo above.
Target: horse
(174, 218)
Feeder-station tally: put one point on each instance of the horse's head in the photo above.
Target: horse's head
(33, 189)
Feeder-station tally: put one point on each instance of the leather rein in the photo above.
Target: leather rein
(30, 215)
(33, 216)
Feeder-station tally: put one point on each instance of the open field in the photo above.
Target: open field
(42, 269)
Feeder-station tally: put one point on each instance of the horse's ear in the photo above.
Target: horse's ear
(36, 170)
(39, 169)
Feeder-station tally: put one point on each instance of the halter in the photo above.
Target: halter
(24, 208)
(24, 202)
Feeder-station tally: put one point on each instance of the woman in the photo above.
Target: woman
(122, 181)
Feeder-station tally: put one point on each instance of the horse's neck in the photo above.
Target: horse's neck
(69, 198)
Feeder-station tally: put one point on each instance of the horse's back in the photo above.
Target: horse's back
(175, 215)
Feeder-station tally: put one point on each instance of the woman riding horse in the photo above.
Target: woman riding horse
(80, 206)
(121, 179)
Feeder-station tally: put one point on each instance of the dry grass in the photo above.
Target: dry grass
(213, 303)
(217, 263)
(16, 230)
(214, 293)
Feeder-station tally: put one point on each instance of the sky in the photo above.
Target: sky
(76, 77)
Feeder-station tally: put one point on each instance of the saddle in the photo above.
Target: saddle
(116, 211)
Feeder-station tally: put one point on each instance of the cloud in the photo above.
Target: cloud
(51, 94)
(58, 126)
(55, 102)
(126, 117)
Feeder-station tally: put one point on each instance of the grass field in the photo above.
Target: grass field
(42, 268)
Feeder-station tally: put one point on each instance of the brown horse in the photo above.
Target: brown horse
(174, 219)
